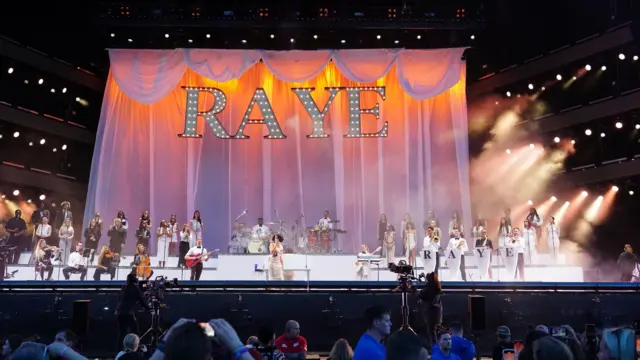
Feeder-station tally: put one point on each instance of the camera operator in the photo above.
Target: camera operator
(430, 307)
(130, 296)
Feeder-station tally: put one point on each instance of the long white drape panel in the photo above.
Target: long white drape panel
(138, 166)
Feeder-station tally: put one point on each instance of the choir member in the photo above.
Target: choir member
(195, 227)
(144, 229)
(455, 223)
(504, 232)
(116, 234)
(382, 229)
(184, 246)
(553, 237)
(390, 244)
(411, 243)
(530, 241)
(518, 245)
(164, 239)
(66, 234)
(92, 235)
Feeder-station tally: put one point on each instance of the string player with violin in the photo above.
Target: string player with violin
(142, 263)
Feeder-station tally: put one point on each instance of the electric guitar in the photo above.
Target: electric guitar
(195, 259)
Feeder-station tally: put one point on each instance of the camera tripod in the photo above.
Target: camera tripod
(155, 332)
(405, 287)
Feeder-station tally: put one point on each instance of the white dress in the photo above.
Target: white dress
(66, 237)
(43, 231)
(363, 267)
(390, 246)
(553, 239)
(196, 232)
(411, 243)
(530, 250)
(503, 236)
(276, 268)
(163, 244)
(174, 232)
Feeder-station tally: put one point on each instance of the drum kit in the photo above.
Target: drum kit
(315, 239)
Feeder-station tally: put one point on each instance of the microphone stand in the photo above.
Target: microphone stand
(239, 216)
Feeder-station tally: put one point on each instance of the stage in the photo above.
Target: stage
(319, 267)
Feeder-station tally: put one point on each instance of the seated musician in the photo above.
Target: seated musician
(106, 263)
(325, 221)
(43, 254)
(77, 264)
(260, 230)
(197, 252)
(363, 267)
(142, 263)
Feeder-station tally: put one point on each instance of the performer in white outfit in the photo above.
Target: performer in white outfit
(65, 234)
(476, 231)
(530, 241)
(183, 247)
(326, 221)
(261, 230)
(535, 220)
(44, 229)
(455, 256)
(504, 233)
(276, 264)
(411, 243)
(553, 237)
(195, 225)
(175, 232)
(77, 264)
(389, 249)
(164, 238)
(455, 223)
(259, 238)
(517, 246)
(363, 267)
(430, 249)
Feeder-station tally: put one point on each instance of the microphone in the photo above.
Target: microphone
(244, 212)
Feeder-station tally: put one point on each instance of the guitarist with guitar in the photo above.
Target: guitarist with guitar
(195, 257)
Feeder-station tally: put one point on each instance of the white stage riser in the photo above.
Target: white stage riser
(331, 267)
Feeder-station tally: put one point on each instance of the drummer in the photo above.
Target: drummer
(326, 222)
(260, 230)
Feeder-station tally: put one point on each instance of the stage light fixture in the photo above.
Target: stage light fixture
(587, 132)
(530, 86)
(53, 91)
(55, 150)
(614, 188)
(0, 136)
(190, 41)
(531, 146)
(602, 135)
(584, 194)
(558, 77)
(630, 192)
(315, 36)
(556, 139)
(64, 90)
(41, 81)
(508, 93)
(42, 141)
(621, 56)
(244, 41)
(618, 125)
(29, 201)
(26, 81)
(10, 71)
(603, 68)
(543, 88)
(343, 41)
(16, 134)
(378, 37)
(292, 40)
(637, 126)
(574, 78)
(272, 36)
(4, 196)
(64, 147)
(16, 192)
(553, 198)
(208, 36)
(42, 197)
(30, 143)
(473, 37)
(419, 37)
(78, 99)
(530, 202)
(588, 67)
(396, 41)
(497, 102)
(113, 35)
(635, 57)
(166, 36)
(130, 40)
(508, 151)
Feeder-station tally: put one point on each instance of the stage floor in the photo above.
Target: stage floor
(315, 267)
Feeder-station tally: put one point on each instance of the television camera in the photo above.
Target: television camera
(153, 291)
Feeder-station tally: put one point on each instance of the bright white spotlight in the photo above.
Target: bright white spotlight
(244, 41)
(531, 146)
(602, 135)
(558, 77)
(530, 86)
(315, 36)
(113, 35)
(631, 192)
(42, 141)
(530, 202)
(272, 36)
(553, 198)
(343, 41)
(508, 151)
(588, 67)
(55, 150)
(378, 37)
(508, 93)
(543, 88)
(603, 68)
(190, 41)
(618, 125)
(635, 57)
(41, 81)
(208, 36)
(584, 194)
(396, 41)
(42, 197)
(16, 192)
(10, 71)
(556, 139)
(473, 37)
(587, 132)
(30, 143)
(64, 90)
(29, 201)
(292, 40)
(637, 126)
(64, 147)
(419, 37)
(575, 78)
(573, 142)
(567, 203)
(166, 36)
(614, 188)
(53, 91)
(621, 56)
(130, 40)
(16, 134)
